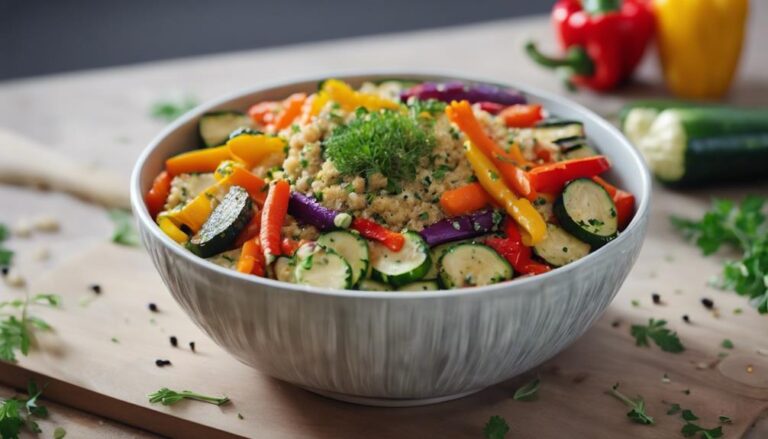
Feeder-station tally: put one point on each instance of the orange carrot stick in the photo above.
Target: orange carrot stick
(272, 219)
(464, 199)
(250, 182)
(291, 110)
(251, 259)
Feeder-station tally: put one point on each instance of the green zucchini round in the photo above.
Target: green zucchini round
(586, 211)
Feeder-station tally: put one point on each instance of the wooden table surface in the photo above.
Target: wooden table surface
(102, 117)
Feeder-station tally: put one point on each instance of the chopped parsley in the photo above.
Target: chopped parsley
(637, 406)
(744, 227)
(125, 233)
(657, 331)
(423, 216)
(166, 396)
(17, 327)
(304, 163)
(387, 142)
(6, 256)
(439, 173)
(495, 428)
(431, 107)
(169, 111)
(295, 129)
(728, 344)
(527, 392)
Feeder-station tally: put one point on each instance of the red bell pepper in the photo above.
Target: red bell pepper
(491, 107)
(371, 230)
(521, 115)
(515, 252)
(552, 177)
(158, 193)
(623, 200)
(603, 40)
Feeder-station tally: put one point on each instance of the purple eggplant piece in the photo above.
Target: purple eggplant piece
(457, 91)
(461, 227)
(307, 210)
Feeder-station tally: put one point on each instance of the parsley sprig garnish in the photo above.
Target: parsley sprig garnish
(657, 331)
(17, 326)
(740, 226)
(495, 428)
(388, 142)
(18, 413)
(6, 256)
(166, 396)
(637, 406)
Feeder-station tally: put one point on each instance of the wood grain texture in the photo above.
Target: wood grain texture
(101, 118)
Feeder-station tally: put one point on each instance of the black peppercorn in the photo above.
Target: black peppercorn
(192, 346)
(686, 319)
(152, 307)
(708, 303)
(174, 341)
(4, 271)
(162, 363)
(656, 298)
(96, 288)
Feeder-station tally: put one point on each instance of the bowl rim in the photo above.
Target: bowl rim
(144, 220)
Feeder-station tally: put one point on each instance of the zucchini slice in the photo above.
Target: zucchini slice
(225, 223)
(554, 131)
(470, 265)
(215, 127)
(410, 264)
(350, 246)
(560, 247)
(436, 253)
(372, 285)
(285, 269)
(324, 268)
(423, 285)
(586, 211)
(575, 148)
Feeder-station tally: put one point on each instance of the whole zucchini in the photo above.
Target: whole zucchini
(688, 146)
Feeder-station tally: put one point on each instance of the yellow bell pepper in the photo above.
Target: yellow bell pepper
(349, 99)
(199, 160)
(171, 229)
(225, 169)
(251, 149)
(533, 227)
(700, 44)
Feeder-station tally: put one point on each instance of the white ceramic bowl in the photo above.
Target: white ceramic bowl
(394, 348)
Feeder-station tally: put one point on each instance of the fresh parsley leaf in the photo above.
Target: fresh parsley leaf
(728, 344)
(691, 429)
(125, 233)
(169, 111)
(674, 409)
(10, 419)
(18, 413)
(166, 396)
(743, 227)
(725, 420)
(3, 232)
(430, 107)
(528, 391)
(656, 330)
(388, 142)
(6, 257)
(17, 329)
(688, 415)
(637, 406)
(495, 428)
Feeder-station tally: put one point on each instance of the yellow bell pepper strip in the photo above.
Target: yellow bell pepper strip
(196, 212)
(462, 115)
(700, 44)
(532, 225)
(251, 149)
(199, 160)
(225, 169)
(318, 101)
(350, 100)
(171, 229)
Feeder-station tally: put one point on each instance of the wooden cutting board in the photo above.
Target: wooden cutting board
(89, 370)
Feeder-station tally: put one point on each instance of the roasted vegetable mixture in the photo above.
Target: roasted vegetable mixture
(392, 186)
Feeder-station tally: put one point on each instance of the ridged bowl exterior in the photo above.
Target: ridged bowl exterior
(384, 345)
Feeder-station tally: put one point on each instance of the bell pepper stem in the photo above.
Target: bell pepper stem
(594, 7)
(576, 59)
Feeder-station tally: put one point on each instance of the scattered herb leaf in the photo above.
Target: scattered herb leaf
(725, 420)
(528, 391)
(125, 232)
(688, 415)
(637, 406)
(656, 330)
(17, 327)
(674, 409)
(495, 428)
(169, 111)
(691, 429)
(728, 344)
(17, 413)
(166, 396)
(59, 433)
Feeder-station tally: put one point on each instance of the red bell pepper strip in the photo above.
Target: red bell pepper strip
(623, 200)
(273, 218)
(521, 116)
(552, 177)
(371, 230)
(289, 246)
(515, 252)
(291, 110)
(491, 107)
(158, 193)
(603, 40)
(263, 113)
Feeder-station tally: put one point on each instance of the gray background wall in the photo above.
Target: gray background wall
(39, 37)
